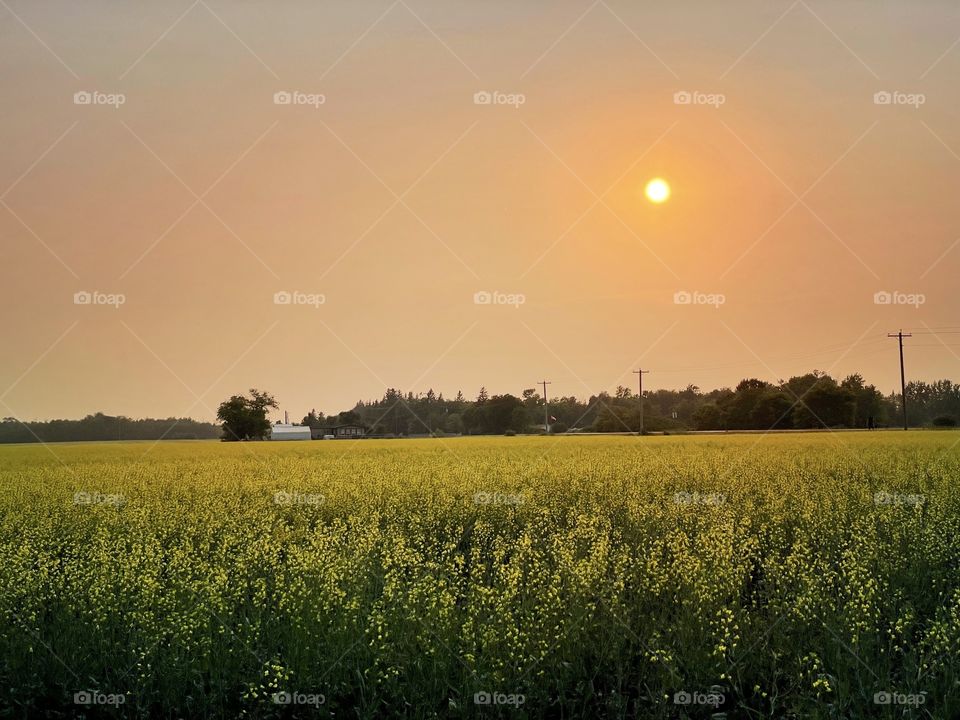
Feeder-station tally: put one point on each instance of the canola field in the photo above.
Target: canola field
(779, 576)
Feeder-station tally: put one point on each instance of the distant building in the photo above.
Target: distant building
(285, 431)
(338, 432)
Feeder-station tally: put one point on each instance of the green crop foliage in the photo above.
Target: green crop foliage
(756, 576)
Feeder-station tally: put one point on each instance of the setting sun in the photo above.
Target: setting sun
(657, 190)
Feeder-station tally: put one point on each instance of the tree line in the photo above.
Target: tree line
(811, 401)
(105, 427)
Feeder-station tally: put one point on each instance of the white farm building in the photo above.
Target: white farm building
(285, 431)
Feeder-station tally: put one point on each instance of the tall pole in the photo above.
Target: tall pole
(903, 382)
(546, 412)
(640, 374)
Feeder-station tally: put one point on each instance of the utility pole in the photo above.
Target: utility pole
(903, 383)
(546, 412)
(640, 374)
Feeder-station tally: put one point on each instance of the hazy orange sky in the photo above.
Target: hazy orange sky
(797, 196)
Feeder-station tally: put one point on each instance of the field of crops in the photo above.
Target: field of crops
(813, 576)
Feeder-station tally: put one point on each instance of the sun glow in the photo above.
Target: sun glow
(657, 190)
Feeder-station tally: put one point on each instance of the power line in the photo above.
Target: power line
(783, 359)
